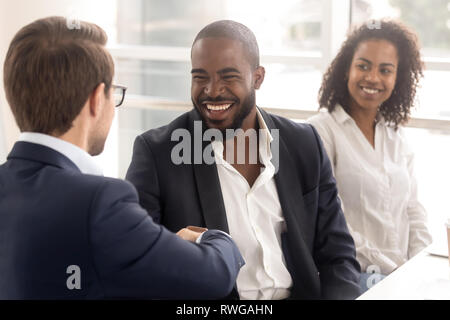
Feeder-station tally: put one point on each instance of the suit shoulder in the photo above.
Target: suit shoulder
(94, 185)
(301, 139)
(289, 127)
(110, 183)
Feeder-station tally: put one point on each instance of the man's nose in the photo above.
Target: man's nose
(214, 88)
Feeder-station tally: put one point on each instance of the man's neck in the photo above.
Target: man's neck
(250, 168)
(75, 137)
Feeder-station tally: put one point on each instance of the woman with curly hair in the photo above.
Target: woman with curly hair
(368, 92)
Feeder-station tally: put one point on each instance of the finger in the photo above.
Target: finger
(197, 229)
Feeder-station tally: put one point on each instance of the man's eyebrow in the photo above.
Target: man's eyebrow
(228, 70)
(198, 71)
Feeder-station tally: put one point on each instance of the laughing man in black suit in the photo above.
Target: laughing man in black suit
(279, 203)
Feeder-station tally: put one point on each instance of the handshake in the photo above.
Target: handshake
(191, 233)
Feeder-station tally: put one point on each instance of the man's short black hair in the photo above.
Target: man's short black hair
(235, 31)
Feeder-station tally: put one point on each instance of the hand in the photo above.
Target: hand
(197, 229)
(188, 234)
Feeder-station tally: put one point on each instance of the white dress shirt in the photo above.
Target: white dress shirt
(378, 190)
(78, 156)
(255, 222)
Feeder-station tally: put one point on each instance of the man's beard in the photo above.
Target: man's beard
(246, 107)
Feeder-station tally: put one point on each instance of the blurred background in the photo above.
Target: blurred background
(151, 39)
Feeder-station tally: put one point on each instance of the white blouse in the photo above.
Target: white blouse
(378, 190)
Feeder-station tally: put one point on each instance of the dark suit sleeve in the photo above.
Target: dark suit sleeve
(137, 258)
(142, 170)
(334, 248)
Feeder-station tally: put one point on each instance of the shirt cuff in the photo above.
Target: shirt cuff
(199, 239)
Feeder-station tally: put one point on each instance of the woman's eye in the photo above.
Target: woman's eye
(362, 66)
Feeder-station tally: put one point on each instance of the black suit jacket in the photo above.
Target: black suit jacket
(317, 246)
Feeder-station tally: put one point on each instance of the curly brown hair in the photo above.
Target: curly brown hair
(396, 109)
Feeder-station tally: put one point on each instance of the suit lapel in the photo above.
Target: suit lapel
(289, 189)
(286, 179)
(290, 193)
(208, 185)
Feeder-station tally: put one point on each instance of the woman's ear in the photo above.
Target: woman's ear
(258, 76)
(96, 100)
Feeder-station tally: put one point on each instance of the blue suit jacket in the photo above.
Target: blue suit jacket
(53, 217)
(318, 249)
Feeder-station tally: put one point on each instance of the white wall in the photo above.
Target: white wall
(15, 14)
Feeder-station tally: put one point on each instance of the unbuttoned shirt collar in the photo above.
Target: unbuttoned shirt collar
(83, 160)
(264, 140)
(256, 223)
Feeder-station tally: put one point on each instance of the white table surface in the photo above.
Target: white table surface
(424, 277)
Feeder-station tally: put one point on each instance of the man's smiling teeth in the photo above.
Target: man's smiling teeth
(370, 91)
(218, 107)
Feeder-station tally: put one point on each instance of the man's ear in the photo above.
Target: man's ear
(258, 77)
(96, 100)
